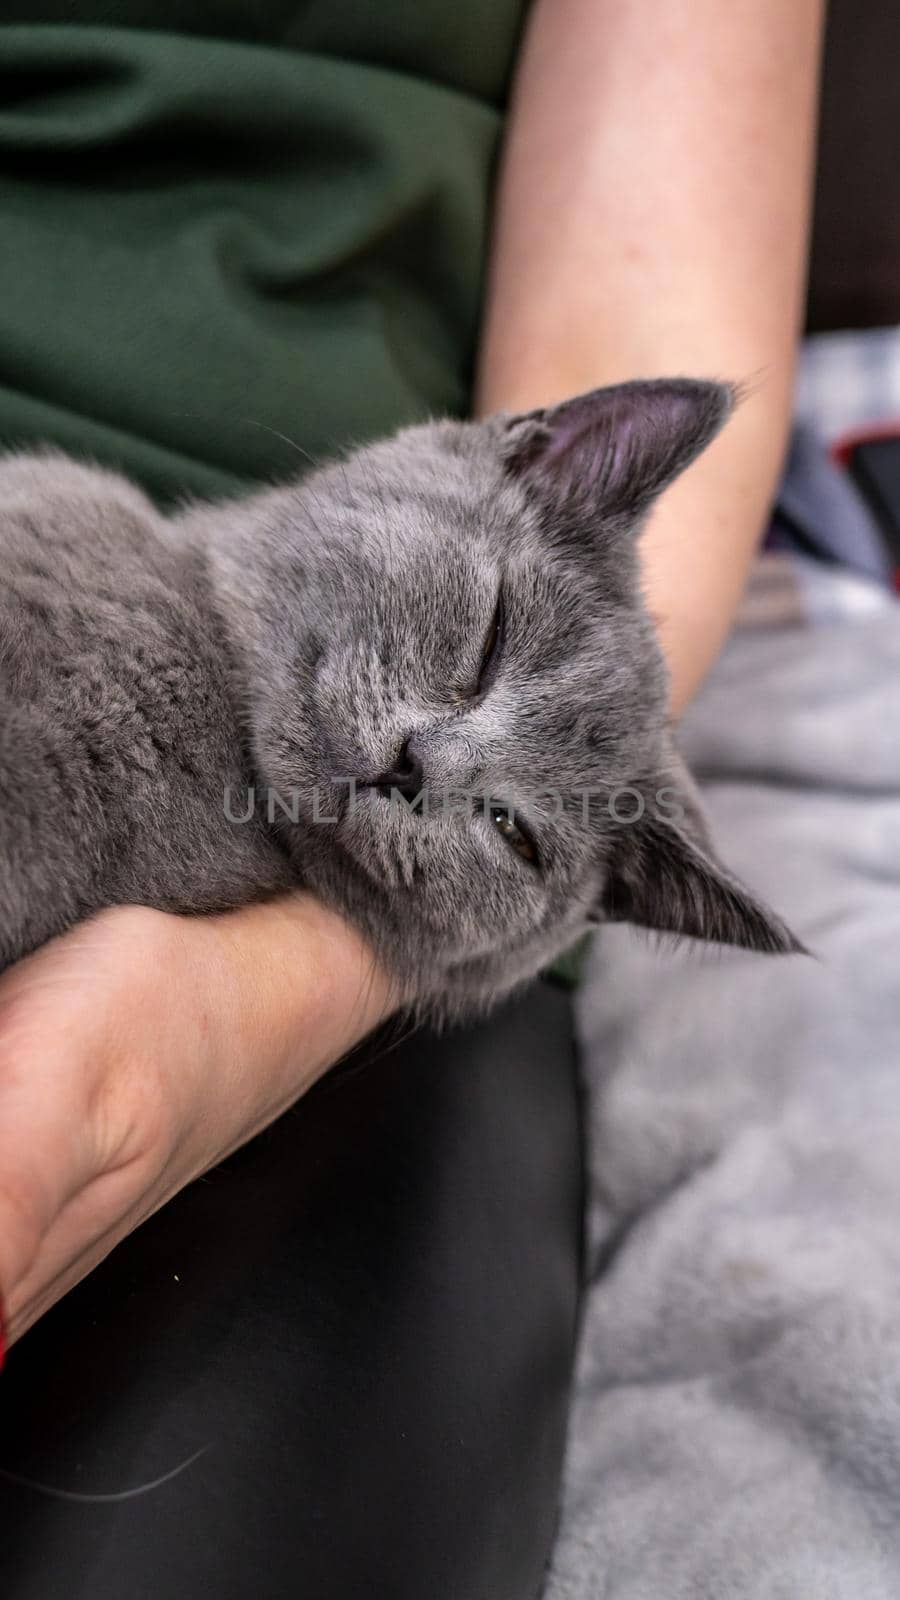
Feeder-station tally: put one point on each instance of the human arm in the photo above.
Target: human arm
(652, 219)
(138, 1050)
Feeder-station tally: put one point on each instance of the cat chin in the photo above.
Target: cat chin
(472, 988)
(446, 1007)
(433, 982)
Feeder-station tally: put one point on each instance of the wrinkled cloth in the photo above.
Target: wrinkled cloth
(821, 511)
(848, 380)
(239, 236)
(735, 1430)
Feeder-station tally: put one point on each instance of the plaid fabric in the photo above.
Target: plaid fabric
(848, 380)
(846, 383)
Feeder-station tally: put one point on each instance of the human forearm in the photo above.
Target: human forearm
(139, 1050)
(652, 219)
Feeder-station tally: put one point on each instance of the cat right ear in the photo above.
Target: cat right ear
(659, 877)
(612, 451)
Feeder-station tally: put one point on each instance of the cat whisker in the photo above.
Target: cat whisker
(285, 438)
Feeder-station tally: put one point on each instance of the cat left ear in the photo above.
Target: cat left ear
(612, 451)
(660, 878)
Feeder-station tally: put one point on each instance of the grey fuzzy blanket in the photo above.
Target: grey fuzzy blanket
(736, 1428)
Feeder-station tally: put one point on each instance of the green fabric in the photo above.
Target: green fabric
(568, 969)
(223, 218)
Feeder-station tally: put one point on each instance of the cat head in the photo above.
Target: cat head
(456, 693)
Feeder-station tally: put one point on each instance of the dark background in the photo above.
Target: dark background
(855, 266)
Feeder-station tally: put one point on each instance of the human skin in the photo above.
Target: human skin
(141, 1048)
(652, 219)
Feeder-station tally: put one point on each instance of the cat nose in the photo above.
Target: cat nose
(407, 774)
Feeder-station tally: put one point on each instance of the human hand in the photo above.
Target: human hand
(140, 1049)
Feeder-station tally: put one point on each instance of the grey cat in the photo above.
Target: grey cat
(454, 611)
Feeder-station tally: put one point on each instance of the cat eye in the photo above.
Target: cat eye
(490, 652)
(517, 837)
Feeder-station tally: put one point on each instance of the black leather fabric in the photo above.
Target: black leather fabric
(363, 1322)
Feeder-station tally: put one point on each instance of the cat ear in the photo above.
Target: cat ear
(660, 878)
(614, 450)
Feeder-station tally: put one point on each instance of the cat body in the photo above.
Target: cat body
(117, 723)
(203, 710)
